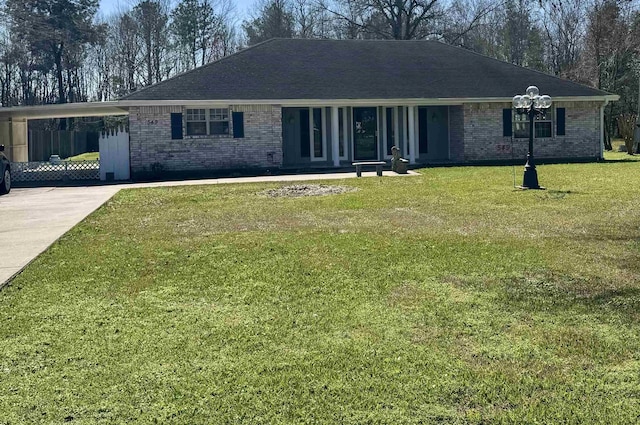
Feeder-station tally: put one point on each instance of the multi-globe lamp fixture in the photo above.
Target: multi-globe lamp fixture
(531, 104)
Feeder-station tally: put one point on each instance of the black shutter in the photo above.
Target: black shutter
(560, 121)
(238, 125)
(506, 122)
(176, 126)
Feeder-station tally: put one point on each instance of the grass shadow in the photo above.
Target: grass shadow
(549, 292)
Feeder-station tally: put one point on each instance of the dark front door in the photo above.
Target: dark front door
(365, 125)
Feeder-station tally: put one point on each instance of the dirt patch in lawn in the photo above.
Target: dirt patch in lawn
(299, 190)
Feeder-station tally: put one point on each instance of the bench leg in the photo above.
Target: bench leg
(358, 172)
(379, 170)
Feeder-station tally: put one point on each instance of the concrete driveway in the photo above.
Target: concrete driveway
(32, 219)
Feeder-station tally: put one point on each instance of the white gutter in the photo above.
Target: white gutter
(120, 107)
(352, 102)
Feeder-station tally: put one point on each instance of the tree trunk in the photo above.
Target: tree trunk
(149, 58)
(607, 134)
(58, 60)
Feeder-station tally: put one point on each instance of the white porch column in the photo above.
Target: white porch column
(412, 134)
(335, 136)
(15, 136)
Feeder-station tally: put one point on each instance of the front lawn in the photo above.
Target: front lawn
(443, 298)
(87, 156)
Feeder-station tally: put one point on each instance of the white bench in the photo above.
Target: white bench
(377, 164)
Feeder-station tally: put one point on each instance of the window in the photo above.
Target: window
(218, 121)
(196, 122)
(203, 122)
(542, 126)
(318, 137)
(388, 116)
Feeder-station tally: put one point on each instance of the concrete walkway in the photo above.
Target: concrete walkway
(32, 219)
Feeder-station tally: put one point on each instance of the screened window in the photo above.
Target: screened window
(203, 122)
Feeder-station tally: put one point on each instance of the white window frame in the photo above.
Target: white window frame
(210, 120)
(208, 112)
(551, 120)
(190, 111)
(535, 120)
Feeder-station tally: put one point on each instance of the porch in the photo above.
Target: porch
(334, 136)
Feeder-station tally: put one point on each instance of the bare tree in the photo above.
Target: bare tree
(564, 27)
(391, 19)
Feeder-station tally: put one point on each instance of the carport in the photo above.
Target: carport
(114, 147)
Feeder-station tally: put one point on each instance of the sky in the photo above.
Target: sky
(109, 6)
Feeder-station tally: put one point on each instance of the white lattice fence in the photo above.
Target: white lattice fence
(62, 171)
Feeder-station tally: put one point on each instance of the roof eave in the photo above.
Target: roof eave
(96, 109)
(355, 102)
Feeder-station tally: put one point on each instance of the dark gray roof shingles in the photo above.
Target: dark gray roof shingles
(356, 69)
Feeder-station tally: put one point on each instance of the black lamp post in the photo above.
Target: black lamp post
(531, 104)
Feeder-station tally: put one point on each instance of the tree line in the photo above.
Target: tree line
(58, 51)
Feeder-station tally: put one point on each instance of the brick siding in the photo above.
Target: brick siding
(152, 147)
(483, 138)
(475, 135)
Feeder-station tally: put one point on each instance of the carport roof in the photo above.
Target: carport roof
(67, 110)
(287, 69)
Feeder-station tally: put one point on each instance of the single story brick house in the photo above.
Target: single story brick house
(306, 103)
(294, 103)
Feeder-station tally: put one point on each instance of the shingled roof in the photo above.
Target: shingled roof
(356, 69)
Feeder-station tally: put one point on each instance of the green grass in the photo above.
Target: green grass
(87, 156)
(444, 298)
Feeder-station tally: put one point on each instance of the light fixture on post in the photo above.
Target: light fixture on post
(531, 104)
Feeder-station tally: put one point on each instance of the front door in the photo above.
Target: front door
(365, 126)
